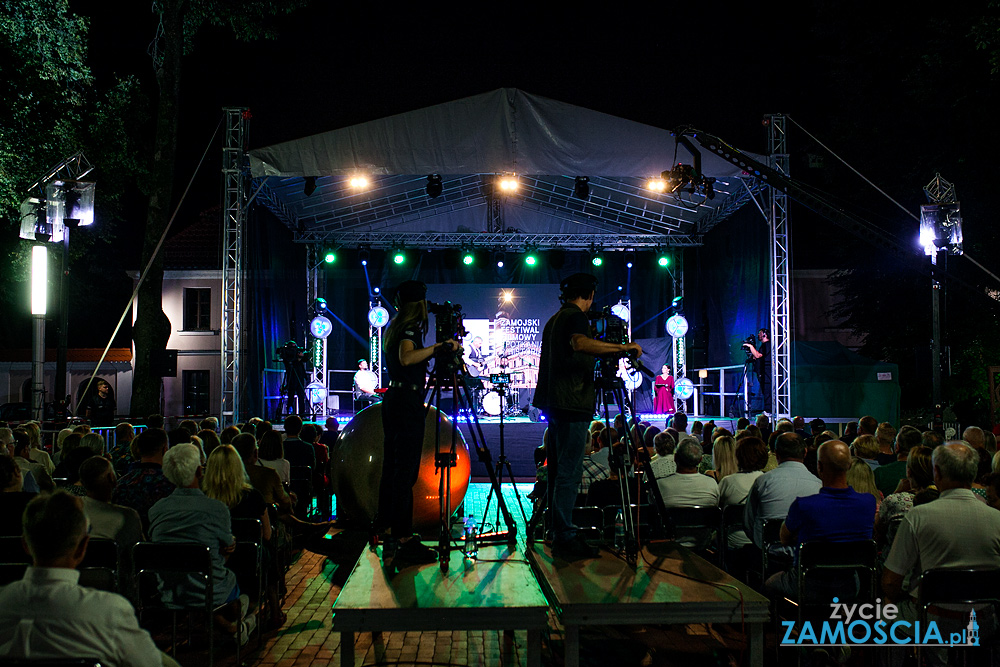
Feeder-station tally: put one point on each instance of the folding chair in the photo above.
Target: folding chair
(249, 554)
(732, 520)
(962, 586)
(180, 558)
(590, 521)
(301, 484)
(701, 523)
(99, 568)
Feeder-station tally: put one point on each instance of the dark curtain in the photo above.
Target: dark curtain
(273, 301)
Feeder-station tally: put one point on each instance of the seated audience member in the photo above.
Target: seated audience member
(648, 436)
(272, 455)
(888, 475)
(13, 499)
(773, 492)
(931, 439)
(837, 513)
(772, 457)
(209, 424)
(154, 421)
(592, 470)
(57, 448)
(816, 426)
(71, 468)
(865, 447)
(121, 453)
(332, 432)
(263, 427)
(603, 441)
(850, 432)
(919, 476)
(107, 520)
(145, 483)
(47, 614)
(225, 481)
(209, 441)
(178, 435)
(697, 430)
(992, 484)
(956, 530)
(188, 515)
(662, 464)
(885, 434)
(763, 422)
(723, 458)
(861, 478)
(321, 473)
(680, 422)
(94, 442)
(976, 438)
(227, 435)
(298, 452)
(688, 488)
(867, 425)
(751, 457)
(707, 456)
(22, 455)
(189, 425)
(38, 455)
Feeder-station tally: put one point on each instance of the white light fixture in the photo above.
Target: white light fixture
(656, 185)
(620, 310)
(508, 183)
(39, 279)
(684, 389)
(677, 326)
(378, 317)
(320, 326)
(358, 182)
(316, 392)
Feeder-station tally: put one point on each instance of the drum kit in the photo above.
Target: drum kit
(492, 399)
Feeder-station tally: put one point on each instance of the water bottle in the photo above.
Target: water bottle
(471, 541)
(619, 531)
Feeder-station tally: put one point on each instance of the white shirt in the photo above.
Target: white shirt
(662, 466)
(280, 466)
(49, 615)
(683, 490)
(113, 522)
(733, 490)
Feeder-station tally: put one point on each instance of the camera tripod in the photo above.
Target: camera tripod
(611, 388)
(743, 382)
(448, 373)
(503, 465)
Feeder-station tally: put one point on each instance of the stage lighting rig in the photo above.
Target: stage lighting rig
(468, 256)
(581, 187)
(434, 186)
(399, 255)
(330, 255)
(364, 254)
(596, 256)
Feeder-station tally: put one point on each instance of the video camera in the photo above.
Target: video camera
(608, 327)
(289, 352)
(448, 321)
(745, 345)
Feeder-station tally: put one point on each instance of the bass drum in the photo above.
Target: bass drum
(356, 467)
(492, 403)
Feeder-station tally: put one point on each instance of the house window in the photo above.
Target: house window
(196, 392)
(197, 308)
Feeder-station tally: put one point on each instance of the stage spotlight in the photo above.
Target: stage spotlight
(677, 325)
(629, 265)
(359, 182)
(377, 290)
(508, 183)
(530, 258)
(330, 256)
(364, 254)
(581, 188)
(663, 259)
(468, 258)
(434, 185)
(656, 185)
(319, 305)
(596, 258)
(309, 185)
(499, 256)
(399, 256)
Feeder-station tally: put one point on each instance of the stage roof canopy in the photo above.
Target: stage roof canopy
(473, 142)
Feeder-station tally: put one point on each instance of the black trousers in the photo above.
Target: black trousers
(403, 425)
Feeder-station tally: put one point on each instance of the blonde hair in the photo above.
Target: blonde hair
(865, 447)
(225, 476)
(724, 456)
(861, 478)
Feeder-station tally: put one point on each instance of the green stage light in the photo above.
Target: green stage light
(597, 260)
(330, 256)
(399, 257)
(530, 259)
(468, 259)
(663, 260)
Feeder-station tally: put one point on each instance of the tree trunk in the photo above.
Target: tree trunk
(152, 327)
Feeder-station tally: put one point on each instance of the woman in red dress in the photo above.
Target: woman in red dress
(664, 401)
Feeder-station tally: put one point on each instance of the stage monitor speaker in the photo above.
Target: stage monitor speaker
(333, 402)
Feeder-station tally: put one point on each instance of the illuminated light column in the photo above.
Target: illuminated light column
(39, 302)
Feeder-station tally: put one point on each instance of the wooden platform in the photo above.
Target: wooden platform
(668, 585)
(497, 592)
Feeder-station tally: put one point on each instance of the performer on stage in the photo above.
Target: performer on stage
(365, 384)
(663, 403)
(475, 366)
(403, 423)
(566, 394)
(293, 358)
(100, 407)
(762, 366)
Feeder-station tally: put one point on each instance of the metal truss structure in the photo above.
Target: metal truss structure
(234, 174)
(338, 214)
(508, 241)
(781, 271)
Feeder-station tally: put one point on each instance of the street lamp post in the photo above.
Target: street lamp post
(39, 299)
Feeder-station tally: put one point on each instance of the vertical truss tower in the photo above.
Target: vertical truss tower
(781, 271)
(234, 170)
